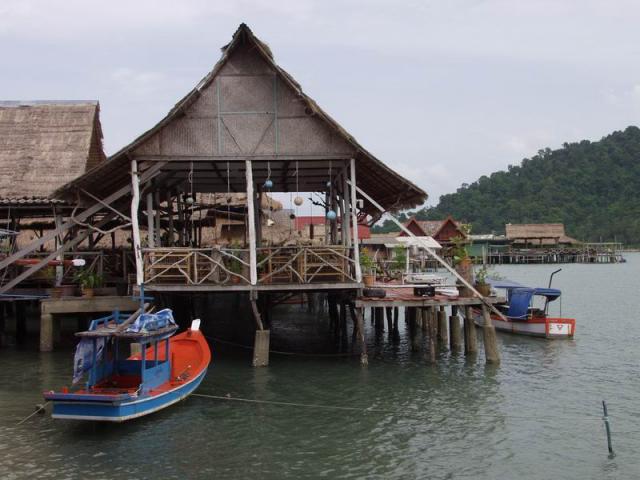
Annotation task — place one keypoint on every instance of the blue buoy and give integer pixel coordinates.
(331, 215)
(268, 183)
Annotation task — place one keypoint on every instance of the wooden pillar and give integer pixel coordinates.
(169, 200)
(379, 319)
(433, 332)
(261, 348)
(156, 229)
(347, 208)
(443, 339)
(414, 333)
(454, 330)
(491, 353)
(151, 237)
(470, 339)
(251, 221)
(396, 314)
(423, 318)
(389, 315)
(135, 226)
(364, 359)
(354, 222)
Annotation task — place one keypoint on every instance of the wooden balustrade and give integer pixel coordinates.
(222, 266)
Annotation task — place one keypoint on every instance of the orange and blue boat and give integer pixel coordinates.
(527, 311)
(132, 368)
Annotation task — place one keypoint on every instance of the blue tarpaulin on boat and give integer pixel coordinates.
(511, 286)
(83, 358)
(150, 322)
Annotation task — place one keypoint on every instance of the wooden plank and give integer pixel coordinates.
(88, 304)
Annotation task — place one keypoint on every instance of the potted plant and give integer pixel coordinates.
(235, 267)
(481, 284)
(368, 266)
(88, 281)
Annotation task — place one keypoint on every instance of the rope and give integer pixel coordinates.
(229, 398)
(279, 352)
(38, 410)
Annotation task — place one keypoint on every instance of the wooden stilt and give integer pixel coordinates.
(454, 330)
(414, 331)
(424, 316)
(491, 353)
(389, 315)
(443, 338)
(21, 323)
(261, 349)
(433, 332)
(364, 359)
(470, 339)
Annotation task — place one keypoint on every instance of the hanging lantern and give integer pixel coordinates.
(268, 184)
(270, 223)
(329, 184)
(189, 200)
(331, 215)
(298, 201)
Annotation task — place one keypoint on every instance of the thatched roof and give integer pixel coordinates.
(44, 145)
(190, 128)
(545, 233)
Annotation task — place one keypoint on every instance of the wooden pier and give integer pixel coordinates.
(429, 315)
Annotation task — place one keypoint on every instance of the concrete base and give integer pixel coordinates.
(46, 332)
(261, 349)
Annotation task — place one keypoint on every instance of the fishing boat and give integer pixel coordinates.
(134, 366)
(527, 311)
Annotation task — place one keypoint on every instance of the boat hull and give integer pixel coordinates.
(537, 327)
(120, 411)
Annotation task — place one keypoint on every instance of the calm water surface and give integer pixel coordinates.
(536, 416)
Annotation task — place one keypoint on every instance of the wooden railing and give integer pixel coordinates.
(224, 266)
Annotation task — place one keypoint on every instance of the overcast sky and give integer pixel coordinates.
(443, 91)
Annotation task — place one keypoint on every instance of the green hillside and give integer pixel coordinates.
(592, 187)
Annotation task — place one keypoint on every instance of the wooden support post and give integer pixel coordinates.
(433, 332)
(354, 222)
(261, 349)
(169, 200)
(491, 353)
(251, 221)
(414, 331)
(343, 319)
(396, 313)
(454, 330)
(389, 315)
(470, 339)
(364, 359)
(156, 230)
(346, 229)
(135, 226)
(443, 338)
(379, 314)
(151, 238)
(423, 315)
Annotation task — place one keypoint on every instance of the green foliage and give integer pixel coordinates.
(367, 262)
(399, 257)
(591, 187)
(88, 279)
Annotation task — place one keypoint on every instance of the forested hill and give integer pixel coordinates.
(592, 187)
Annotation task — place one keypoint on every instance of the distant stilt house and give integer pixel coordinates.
(246, 128)
(442, 231)
(542, 243)
(538, 234)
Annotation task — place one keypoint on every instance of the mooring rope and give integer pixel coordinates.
(280, 352)
(38, 410)
(229, 398)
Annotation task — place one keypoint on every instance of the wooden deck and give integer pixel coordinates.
(402, 296)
